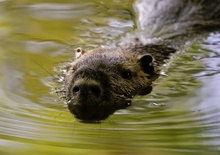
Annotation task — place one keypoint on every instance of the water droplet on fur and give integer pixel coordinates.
(67, 102)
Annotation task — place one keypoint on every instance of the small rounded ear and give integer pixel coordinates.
(79, 52)
(145, 62)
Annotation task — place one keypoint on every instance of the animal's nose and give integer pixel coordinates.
(88, 88)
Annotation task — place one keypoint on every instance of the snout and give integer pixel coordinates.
(91, 101)
(87, 89)
(87, 93)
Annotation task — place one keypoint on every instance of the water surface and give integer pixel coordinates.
(180, 116)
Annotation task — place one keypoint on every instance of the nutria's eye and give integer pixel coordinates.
(78, 50)
(127, 74)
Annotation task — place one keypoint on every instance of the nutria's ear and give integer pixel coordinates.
(145, 62)
(79, 52)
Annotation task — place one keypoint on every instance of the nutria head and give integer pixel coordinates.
(102, 81)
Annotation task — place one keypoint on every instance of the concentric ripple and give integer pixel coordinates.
(181, 115)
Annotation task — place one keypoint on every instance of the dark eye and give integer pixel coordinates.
(127, 74)
(78, 50)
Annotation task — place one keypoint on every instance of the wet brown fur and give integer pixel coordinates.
(103, 80)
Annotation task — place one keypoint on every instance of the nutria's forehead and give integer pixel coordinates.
(102, 60)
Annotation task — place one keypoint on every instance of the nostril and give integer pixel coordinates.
(87, 89)
(96, 90)
(76, 89)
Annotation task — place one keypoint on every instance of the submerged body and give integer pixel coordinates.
(101, 81)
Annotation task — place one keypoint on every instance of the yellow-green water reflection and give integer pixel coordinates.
(181, 115)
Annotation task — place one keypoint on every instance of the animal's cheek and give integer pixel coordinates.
(142, 74)
(148, 77)
(153, 77)
(145, 90)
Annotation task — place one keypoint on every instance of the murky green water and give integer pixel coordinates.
(181, 116)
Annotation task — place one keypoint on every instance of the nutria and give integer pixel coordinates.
(103, 80)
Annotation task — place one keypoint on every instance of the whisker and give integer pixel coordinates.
(43, 68)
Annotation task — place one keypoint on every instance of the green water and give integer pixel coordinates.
(181, 116)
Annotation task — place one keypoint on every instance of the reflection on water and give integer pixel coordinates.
(180, 116)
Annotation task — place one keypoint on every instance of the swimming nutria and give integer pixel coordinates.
(103, 80)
